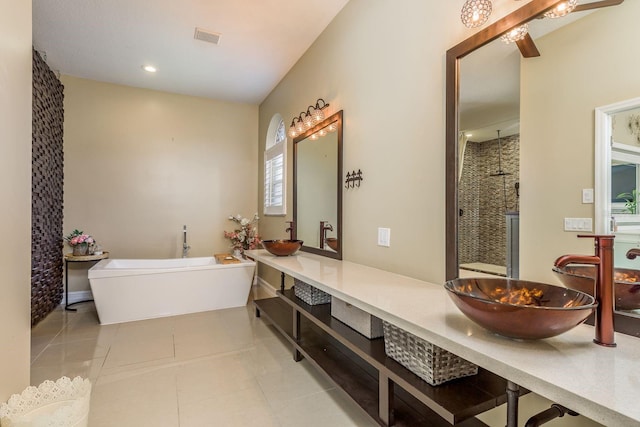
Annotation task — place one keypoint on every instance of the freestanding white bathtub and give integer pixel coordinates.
(135, 289)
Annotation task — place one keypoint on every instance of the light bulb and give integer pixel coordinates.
(314, 137)
(300, 126)
(332, 127)
(318, 115)
(322, 132)
(475, 12)
(516, 34)
(564, 8)
(308, 121)
(293, 132)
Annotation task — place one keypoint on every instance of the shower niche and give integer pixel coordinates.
(488, 200)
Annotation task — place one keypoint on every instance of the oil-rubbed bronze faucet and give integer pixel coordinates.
(633, 253)
(603, 261)
(291, 230)
(324, 226)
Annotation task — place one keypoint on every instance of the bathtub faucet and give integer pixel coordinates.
(185, 247)
(604, 294)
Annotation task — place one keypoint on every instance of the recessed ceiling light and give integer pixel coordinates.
(149, 68)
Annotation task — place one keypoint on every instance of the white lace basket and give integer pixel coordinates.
(63, 403)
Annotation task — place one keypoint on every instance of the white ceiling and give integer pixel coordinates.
(110, 41)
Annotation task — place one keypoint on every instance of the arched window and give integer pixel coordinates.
(275, 157)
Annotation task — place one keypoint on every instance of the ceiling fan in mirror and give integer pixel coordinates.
(476, 12)
(521, 37)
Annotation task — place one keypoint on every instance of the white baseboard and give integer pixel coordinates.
(76, 296)
(265, 286)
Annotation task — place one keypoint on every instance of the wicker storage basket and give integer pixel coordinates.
(426, 360)
(310, 294)
(359, 320)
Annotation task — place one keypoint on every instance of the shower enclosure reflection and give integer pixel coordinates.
(488, 200)
(489, 162)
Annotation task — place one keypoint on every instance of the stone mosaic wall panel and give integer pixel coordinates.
(46, 191)
(482, 226)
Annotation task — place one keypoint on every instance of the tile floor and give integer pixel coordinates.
(218, 368)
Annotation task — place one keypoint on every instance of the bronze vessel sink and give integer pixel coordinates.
(626, 283)
(333, 243)
(520, 309)
(282, 247)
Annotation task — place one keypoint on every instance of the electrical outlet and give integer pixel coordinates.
(384, 237)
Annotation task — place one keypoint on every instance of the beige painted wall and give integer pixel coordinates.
(383, 64)
(140, 164)
(15, 191)
(588, 64)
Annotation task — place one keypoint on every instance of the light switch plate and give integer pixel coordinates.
(587, 195)
(578, 224)
(384, 237)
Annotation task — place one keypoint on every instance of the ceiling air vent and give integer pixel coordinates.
(206, 36)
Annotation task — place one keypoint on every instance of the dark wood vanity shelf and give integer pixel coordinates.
(388, 392)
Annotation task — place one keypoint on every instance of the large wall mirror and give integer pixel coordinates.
(546, 154)
(317, 197)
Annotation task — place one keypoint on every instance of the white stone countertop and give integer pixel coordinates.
(598, 382)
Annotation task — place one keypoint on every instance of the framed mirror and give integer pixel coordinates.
(454, 59)
(317, 188)
(557, 110)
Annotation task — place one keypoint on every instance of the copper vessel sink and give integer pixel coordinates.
(282, 247)
(333, 243)
(626, 287)
(520, 309)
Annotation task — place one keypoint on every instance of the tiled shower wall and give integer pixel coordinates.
(46, 190)
(482, 226)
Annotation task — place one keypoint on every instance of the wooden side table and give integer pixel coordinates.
(82, 258)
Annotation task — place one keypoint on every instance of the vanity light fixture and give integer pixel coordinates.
(515, 34)
(308, 119)
(149, 68)
(475, 12)
(564, 8)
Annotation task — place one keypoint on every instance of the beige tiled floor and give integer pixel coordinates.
(219, 368)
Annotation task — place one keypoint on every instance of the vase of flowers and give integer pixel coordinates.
(80, 242)
(245, 236)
